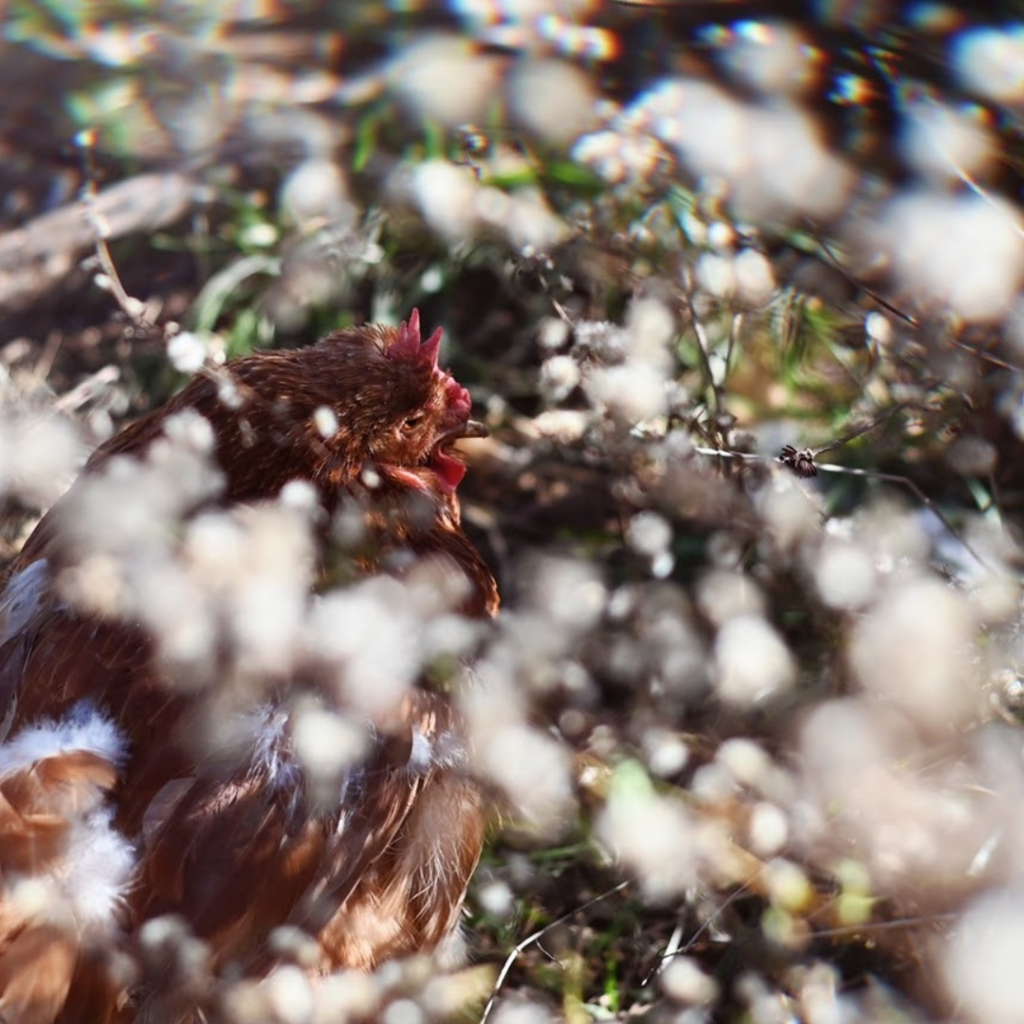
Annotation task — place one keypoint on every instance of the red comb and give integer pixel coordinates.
(409, 344)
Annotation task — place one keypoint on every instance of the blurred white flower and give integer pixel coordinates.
(631, 394)
(754, 276)
(844, 574)
(521, 1011)
(649, 534)
(767, 830)
(964, 253)
(187, 352)
(317, 190)
(653, 835)
(990, 61)
(752, 662)
(570, 593)
(326, 743)
(445, 79)
(532, 89)
(772, 158)
(368, 634)
(724, 595)
(716, 275)
(39, 454)
(447, 198)
(771, 56)
(913, 650)
(980, 964)
(684, 981)
(290, 995)
(945, 143)
(558, 376)
(917, 829)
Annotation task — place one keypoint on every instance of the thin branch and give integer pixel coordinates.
(981, 192)
(897, 478)
(882, 926)
(724, 453)
(877, 421)
(884, 303)
(133, 308)
(906, 317)
(985, 356)
(86, 390)
(535, 937)
(560, 310)
(735, 326)
(802, 462)
(704, 348)
(673, 948)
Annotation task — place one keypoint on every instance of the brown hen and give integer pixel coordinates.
(113, 815)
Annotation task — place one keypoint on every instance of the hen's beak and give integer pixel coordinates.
(470, 428)
(474, 428)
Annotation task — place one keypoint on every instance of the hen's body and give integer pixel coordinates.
(112, 814)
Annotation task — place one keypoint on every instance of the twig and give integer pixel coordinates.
(802, 461)
(673, 948)
(906, 317)
(884, 303)
(980, 353)
(88, 389)
(803, 465)
(725, 453)
(882, 926)
(876, 422)
(735, 326)
(560, 310)
(535, 937)
(133, 308)
(897, 478)
(981, 192)
(704, 348)
(34, 257)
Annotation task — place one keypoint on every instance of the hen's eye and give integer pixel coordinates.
(413, 421)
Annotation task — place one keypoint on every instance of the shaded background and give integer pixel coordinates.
(786, 708)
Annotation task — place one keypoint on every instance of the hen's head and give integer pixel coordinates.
(393, 406)
(371, 397)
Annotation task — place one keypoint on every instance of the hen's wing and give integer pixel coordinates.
(395, 879)
(231, 851)
(231, 845)
(239, 850)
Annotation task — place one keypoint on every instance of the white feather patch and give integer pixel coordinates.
(271, 752)
(92, 878)
(421, 757)
(449, 750)
(97, 871)
(446, 750)
(85, 889)
(85, 727)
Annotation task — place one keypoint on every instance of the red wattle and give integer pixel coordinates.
(449, 469)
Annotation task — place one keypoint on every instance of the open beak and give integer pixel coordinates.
(474, 428)
(447, 465)
(469, 428)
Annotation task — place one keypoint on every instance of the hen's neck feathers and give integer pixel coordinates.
(263, 411)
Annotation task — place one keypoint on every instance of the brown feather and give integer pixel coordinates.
(36, 968)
